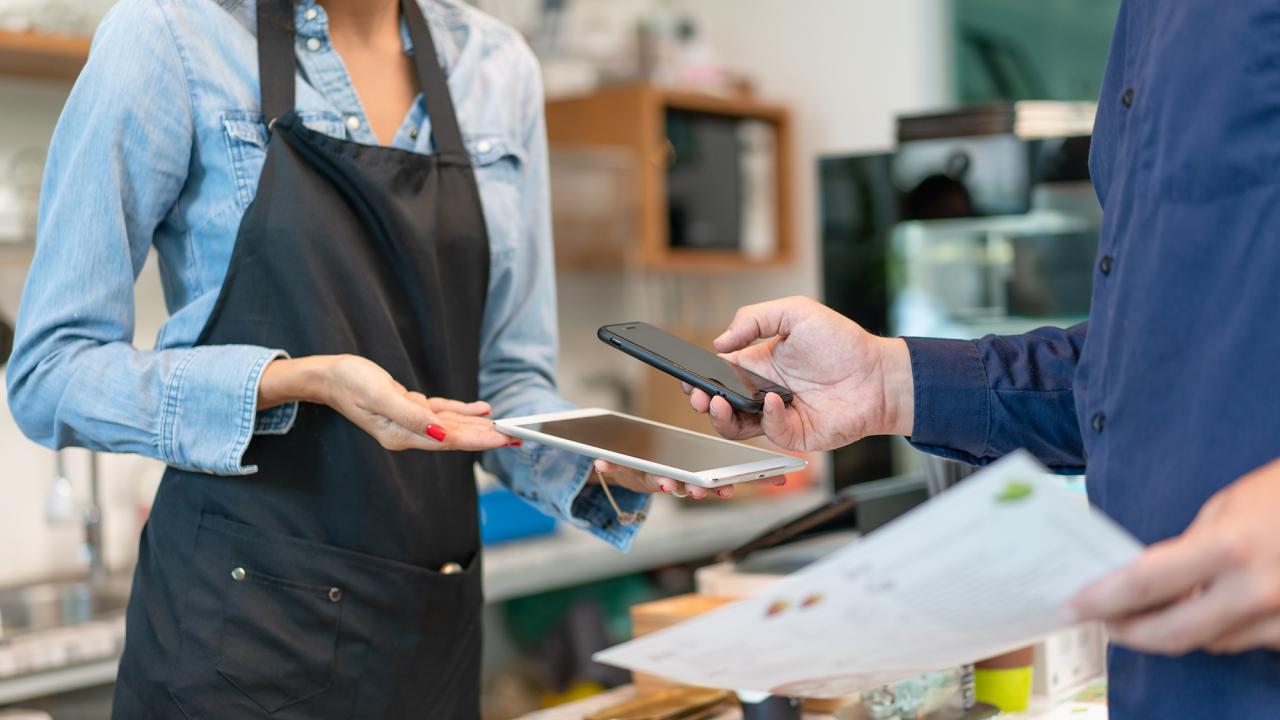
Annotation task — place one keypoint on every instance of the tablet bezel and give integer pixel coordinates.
(780, 464)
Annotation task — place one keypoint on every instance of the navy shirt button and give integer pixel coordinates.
(1105, 264)
(1127, 98)
(1098, 421)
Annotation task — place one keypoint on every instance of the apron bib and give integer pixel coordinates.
(341, 580)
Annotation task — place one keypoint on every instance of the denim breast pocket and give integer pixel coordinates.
(500, 167)
(246, 135)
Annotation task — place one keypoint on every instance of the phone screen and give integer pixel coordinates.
(695, 359)
(641, 440)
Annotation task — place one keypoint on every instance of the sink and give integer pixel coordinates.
(54, 604)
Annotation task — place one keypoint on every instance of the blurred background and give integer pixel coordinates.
(920, 165)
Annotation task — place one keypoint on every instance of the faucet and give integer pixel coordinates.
(92, 521)
(60, 507)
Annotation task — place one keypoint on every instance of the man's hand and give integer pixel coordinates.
(848, 384)
(1216, 587)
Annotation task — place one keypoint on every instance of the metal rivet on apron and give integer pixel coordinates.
(334, 594)
(237, 574)
(452, 568)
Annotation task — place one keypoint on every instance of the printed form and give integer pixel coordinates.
(984, 568)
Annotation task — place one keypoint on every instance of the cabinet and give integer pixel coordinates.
(642, 122)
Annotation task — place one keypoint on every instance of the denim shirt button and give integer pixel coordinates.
(311, 14)
(313, 44)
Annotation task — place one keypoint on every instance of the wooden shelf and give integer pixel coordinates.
(632, 119)
(44, 57)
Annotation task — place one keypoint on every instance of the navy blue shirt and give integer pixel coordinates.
(1171, 391)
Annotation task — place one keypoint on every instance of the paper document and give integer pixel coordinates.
(985, 567)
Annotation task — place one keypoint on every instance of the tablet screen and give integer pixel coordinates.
(650, 442)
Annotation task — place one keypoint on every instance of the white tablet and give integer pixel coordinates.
(645, 445)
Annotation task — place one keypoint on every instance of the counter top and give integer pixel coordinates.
(677, 531)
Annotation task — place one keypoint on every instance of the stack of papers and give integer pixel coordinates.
(984, 568)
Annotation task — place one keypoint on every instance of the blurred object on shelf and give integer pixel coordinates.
(53, 17)
(580, 690)
(666, 704)
(711, 189)
(504, 516)
(1005, 680)
(593, 206)
(673, 53)
(1068, 659)
(6, 339)
(511, 691)
(20, 196)
(759, 572)
(583, 45)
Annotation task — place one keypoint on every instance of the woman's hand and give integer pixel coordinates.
(643, 482)
(367, 395)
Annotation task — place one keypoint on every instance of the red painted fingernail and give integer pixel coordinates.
(663, 487)
(722, 492)
(435, 432)
(486, 413)
(515, 443)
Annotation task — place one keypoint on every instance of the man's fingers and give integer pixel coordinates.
(1196, 622)
(754, 322)
(1166, 572)
(1262, 634)
(776, 423)
(700, 401)
(732, 425)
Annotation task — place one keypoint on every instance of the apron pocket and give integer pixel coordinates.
(278, 637)
(264, 628)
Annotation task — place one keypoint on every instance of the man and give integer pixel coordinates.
(1169, 397)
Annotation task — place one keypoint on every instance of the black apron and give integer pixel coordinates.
(341, 580)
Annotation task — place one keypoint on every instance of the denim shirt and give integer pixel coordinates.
(161, 144)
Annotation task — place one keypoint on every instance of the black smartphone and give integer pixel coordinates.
(743, 389)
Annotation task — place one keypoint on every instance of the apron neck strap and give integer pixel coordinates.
(277, 63)
(277, 70)
(435, 87)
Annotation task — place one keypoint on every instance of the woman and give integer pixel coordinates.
(343, 281)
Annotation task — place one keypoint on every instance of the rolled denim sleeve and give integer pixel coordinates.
(518, 355)
(976, 401)
(115, 168)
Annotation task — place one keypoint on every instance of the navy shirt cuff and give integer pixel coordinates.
(952, 398)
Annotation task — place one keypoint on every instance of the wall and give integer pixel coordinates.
(845, 66)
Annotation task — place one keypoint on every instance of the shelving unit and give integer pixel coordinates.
(44, 57)
(632, 119)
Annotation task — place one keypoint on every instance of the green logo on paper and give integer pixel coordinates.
(1014, 491)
